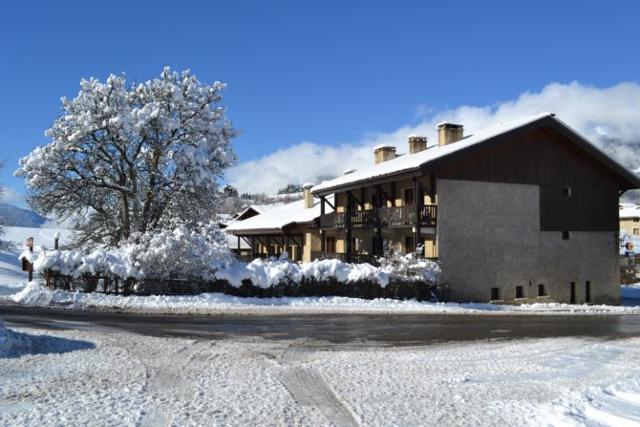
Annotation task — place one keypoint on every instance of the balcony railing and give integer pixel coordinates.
(353, 258)
(402, 216)
(363, 219)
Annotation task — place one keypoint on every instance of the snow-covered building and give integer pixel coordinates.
(521, 211)
(292, 227)
(630, 218)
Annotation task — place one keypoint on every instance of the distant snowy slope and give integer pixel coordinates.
(19, 217)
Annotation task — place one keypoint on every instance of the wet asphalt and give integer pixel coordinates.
(383, 329)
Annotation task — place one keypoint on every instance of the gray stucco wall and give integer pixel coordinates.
(489, 236)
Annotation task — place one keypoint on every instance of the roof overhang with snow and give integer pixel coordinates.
(413, 164)
(277, 220)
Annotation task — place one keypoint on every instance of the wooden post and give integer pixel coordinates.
(253, 247)
(286, 246)
(393, 194)
(30, 244)
(378, 249)
(56, 239)
(347, 229)
(418, 204)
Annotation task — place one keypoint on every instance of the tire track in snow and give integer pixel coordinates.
(308, 387)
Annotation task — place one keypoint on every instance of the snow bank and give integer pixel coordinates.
(11, 342)
(215, 303)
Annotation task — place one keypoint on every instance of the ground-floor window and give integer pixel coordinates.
(495, 294)
(330, 244)
(572, 295)
(542, 292)
(587, 291)
(519, 291)
(409, 244)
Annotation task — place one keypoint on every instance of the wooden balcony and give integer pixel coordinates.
(395, 217)
(353, 258)
(363, 219)
(333, 220)
(405, 216)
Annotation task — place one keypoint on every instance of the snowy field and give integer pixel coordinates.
(114, 378)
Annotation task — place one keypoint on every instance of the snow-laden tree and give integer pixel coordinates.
(133, 158)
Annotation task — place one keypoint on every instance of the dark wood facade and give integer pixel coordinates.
(577, 192)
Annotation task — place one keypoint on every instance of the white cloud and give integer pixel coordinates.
(11, 196)
(610, 117)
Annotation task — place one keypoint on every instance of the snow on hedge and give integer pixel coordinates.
(189, 255)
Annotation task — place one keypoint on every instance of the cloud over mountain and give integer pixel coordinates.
(608, 116)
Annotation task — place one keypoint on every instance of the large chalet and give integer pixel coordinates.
(519, 212)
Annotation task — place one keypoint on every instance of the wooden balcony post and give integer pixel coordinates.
(393, 194)
(253, 246)
(378, 247)
(347, 228)
(417, 207)
(268, 246)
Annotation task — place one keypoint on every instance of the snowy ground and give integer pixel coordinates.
(215, 303)
(109, 377)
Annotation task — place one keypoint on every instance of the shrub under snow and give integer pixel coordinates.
(181, 254)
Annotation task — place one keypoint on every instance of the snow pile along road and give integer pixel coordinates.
(11, 342)
(212, 303)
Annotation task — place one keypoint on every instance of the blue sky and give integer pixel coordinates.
(326, 72)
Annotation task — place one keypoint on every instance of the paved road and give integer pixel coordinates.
(409, 329)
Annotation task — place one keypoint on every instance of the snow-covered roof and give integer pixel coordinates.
(629, 210)
(260, 209)
(412, 162)
(277, 218)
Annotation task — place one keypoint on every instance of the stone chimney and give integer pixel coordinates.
(417, 143)
(308, 197)
(384, 152)
(449, 133)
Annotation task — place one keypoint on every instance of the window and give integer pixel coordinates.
(409, 244)
(409, 199)
(566, 235)
(636, 219)
(330, 244)
(519, 292)
(636, 231)
(587, 291)
(541, 290)
(495, 294)
(572, 294)
(566, 191)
